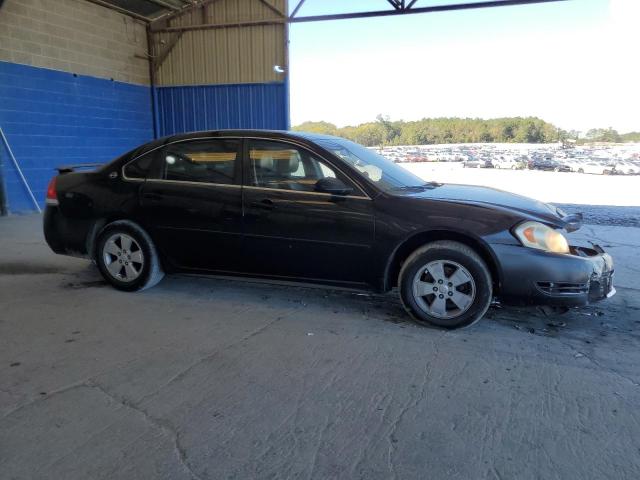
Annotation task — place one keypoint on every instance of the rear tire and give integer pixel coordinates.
(127, 257)
(460, 299)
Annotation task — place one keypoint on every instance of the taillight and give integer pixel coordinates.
(52, 196)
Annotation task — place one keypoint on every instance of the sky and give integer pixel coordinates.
(572, 63)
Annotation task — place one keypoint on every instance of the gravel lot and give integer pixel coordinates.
(209, 379)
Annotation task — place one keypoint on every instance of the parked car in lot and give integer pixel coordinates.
(313, 208)
(509, 163)
(626, 167)
(548, 164)
(595, 168)
(477, 162)
(573, 164)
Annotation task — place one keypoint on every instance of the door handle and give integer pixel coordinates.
(264, 204)
(153, 196)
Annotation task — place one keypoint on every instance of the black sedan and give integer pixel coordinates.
(548, 164)
(312, 208)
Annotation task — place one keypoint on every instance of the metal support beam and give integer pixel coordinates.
(214, 26)
(158, 60)
(295, 10)
(19, 170)
(273, 8)
(120, 10)
(163, 4)
(164, 19)
(407, 11)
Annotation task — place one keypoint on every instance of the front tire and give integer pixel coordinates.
(445, 284)
(127, 257)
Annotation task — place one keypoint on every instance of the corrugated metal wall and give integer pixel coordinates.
(231, 55)
(223, 77)
(210, 107)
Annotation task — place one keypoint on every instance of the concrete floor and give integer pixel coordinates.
(209, 379)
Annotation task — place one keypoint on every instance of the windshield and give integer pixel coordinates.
(382, 172)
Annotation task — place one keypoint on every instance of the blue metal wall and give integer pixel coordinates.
(54, 118)
(211, 107)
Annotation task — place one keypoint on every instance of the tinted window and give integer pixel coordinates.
(140, 167)
(284, 166)
(209, 161)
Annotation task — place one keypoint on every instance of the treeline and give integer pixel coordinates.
(609, 135)
(440, 130)
(457, 130)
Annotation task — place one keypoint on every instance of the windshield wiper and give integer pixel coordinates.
(418, 188)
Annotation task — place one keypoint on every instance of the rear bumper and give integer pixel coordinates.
(66, 236)
(535, 277)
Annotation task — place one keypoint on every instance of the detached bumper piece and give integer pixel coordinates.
(601, 287)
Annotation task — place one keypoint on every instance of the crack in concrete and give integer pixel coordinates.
(600, 365)
(164, 426)
(208, 357)
(41, 398)
(169, 430)
(410, 406)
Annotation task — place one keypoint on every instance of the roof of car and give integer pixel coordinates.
(249, 133)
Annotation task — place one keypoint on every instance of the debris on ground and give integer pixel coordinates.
(555, 324)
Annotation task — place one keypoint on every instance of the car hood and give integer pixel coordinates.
(492, 196)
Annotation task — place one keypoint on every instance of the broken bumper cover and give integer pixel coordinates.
(535, 277)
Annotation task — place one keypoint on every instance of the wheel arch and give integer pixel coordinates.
(99, 225)
(418, 239)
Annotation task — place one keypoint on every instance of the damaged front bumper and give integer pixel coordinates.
(536, 277)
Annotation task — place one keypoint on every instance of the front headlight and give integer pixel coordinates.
(538, 235)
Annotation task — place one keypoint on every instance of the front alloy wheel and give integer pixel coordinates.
(444, 289)
(445, 283)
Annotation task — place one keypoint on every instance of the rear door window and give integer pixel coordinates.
(201, 161)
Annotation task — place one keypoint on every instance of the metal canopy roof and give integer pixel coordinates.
(146, 10)
(152, 10)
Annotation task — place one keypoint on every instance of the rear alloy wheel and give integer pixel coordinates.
(445, 284)
(123, 257)
(127, 258)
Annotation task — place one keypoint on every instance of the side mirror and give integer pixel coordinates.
(333, 186)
